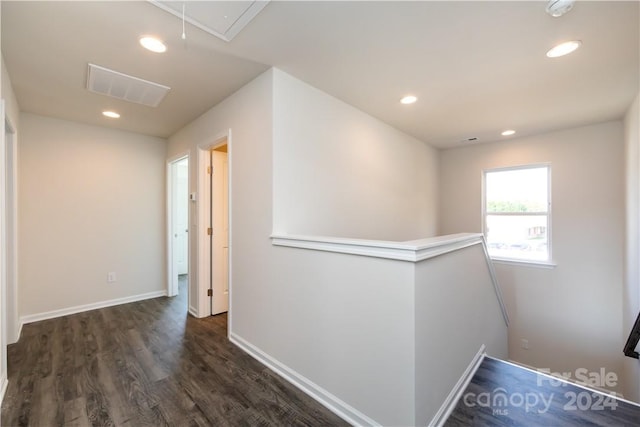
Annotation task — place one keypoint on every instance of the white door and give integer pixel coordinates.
(220, 232)
(181, 215)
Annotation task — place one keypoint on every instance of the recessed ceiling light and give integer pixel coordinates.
(111, 114)
(409, 99)
(564, 48)
(153, 44)
(508, 132)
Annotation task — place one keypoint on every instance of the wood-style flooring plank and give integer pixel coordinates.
(146, 364)
(503, 394)
(75, 414)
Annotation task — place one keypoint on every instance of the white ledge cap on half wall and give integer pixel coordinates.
(411, 250)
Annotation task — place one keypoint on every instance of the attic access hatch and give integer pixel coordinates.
(223, 19)
(122, 86)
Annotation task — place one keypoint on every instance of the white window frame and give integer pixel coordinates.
(518, 261)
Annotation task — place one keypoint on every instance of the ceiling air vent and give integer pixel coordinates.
(121, 86)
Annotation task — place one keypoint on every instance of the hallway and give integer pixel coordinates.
(146, 364)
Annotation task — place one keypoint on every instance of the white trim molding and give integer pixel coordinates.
(19, 333)
(87, 307)
(412, 251)
(172, 284)
(4, 383)
(452, 399)
(524, 263)
(193, 311)
(328, 400)
(565, 380)
(203, 253)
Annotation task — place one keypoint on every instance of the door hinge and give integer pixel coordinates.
(209, 231)
(209, 292)
(209, 170)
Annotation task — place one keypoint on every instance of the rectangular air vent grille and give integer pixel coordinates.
(128, 88)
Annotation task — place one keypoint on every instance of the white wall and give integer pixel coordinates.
(571, 314)
(91, 202)
(248, 114)
(631, 294)
(341, 172)
(295, 306)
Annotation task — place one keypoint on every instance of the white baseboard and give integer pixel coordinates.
(4, 382)
(86, 307)
(20, 325)
(193, 311)
(571, 381)
(456, 392)
(331, 402)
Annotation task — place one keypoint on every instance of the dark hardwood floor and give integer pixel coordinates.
(502, 394)
(146, 364)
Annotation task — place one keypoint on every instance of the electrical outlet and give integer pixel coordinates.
(524, 344)
(111, 277)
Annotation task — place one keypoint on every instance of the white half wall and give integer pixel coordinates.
(631, 294)
(571, 314)
(457, 312)
(91, 202)
(340, 172)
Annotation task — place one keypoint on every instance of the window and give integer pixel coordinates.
(517, 213)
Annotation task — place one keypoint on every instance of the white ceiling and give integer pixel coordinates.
(477, 67)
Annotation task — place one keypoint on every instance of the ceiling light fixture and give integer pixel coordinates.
(564, 48)
(508, 132)
(153, 44)
(111, 114)
(557, 8)
(409, 99)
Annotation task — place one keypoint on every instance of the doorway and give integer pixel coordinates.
(219, 223)
(178, 214)
(214, 233)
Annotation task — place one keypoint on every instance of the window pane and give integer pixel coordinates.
(518, 236)
(517, 190)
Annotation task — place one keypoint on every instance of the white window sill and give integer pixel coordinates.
(525, 263)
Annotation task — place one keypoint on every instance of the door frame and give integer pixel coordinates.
(203, 247)
(172, 280)
(9, 323)
(11, 230)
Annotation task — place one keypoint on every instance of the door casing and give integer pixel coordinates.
(201, 301)
(172, 276)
